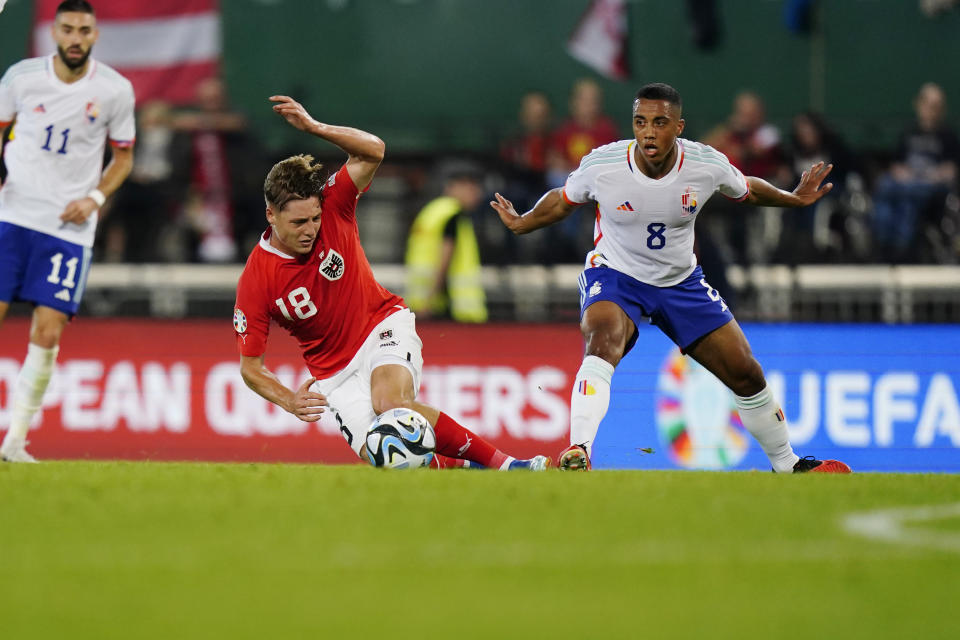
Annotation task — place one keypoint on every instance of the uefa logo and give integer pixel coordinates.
(697, 420)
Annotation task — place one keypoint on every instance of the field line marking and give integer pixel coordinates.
(894, 525)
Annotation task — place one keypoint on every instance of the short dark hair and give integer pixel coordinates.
(75, 6)
(296, 178)
(660, 91)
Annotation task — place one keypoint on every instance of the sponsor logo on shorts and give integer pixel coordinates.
(594, 289)
(63, 294)
(239, 321)
(688, 202)
(332, 266)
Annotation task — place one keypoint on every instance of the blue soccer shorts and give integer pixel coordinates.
(685, 311)
(42, 269)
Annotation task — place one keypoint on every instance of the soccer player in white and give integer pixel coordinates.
(648, 192)
(63, 108)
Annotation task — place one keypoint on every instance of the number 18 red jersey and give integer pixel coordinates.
(328, 300)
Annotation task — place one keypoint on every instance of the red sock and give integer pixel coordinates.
(456, 441)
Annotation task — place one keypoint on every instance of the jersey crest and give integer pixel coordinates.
(332, 266)
(92, 111)
(688, 202)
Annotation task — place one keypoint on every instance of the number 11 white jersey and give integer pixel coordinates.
(55, 154)
(644, 226)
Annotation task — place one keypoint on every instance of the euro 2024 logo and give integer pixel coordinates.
(697, 419)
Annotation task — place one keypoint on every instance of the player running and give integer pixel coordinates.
(648, 192)
(66, 107)
(310, 275)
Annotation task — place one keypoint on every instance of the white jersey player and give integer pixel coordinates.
(64, 108)
(648, 192)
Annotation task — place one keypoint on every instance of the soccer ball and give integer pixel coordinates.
(400, 439)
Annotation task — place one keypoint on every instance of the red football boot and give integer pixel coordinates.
(574, 458)
(809, 464)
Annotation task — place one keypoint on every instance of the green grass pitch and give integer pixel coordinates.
(149, 550)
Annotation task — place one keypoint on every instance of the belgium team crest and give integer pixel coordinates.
(688, 202)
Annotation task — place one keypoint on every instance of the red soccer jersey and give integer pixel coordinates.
(328, 300)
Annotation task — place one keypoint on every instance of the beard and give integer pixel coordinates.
(72, 64)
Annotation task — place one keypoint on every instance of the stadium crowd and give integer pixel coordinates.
(194, 193)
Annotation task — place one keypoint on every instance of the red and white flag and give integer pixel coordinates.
(600, 38)
(164, 47)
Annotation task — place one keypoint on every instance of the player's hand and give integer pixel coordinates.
(504, 208)
(77, 211)
(809, 189)
(294, 113)
(307, 405)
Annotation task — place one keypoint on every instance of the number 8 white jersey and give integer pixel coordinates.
(644, 226)
(55, 154)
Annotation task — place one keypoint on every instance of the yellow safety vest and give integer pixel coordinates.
(464, 287)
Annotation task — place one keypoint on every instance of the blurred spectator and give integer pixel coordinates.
(586, 129)
(524, 161)
(753, 146)
(524, 153)
(141, 209)
(923, 172)
(443, 258)
(821, 232)
(220, 154)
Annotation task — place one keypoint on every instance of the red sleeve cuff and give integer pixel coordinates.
(122, 144)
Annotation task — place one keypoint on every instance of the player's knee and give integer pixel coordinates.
(46, 336)
(605, 341)
(748, 380)
(382, 404)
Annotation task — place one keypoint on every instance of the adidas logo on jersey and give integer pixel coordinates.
(39, 108)
(626, 206)
(63, 294)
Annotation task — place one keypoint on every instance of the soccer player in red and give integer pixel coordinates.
(310, 275)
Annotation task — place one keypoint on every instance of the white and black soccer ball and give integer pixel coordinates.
(400, 439)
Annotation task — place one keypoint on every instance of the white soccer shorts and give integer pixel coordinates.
(393, 341)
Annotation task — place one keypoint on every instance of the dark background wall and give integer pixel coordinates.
(430, 74)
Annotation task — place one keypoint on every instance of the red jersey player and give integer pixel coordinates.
(309, 274)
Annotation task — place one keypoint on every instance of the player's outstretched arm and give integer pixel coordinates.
(121, 163)
(365, 150)
(303, 403)
(807, 192)
(552, 207)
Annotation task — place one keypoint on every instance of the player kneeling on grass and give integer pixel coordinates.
(310, 275)
(648, 192)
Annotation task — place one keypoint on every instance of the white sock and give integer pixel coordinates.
(764, 418)
(506, 463)
(28, 393)
(589, 400)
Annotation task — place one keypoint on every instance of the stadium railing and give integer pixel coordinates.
(532, 293)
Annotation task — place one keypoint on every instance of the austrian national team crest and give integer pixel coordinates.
(331, 267)
(688, 202)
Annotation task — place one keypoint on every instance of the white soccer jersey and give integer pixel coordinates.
(644, 226)
(56, 151)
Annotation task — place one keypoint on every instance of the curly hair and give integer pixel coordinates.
(296, 178)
